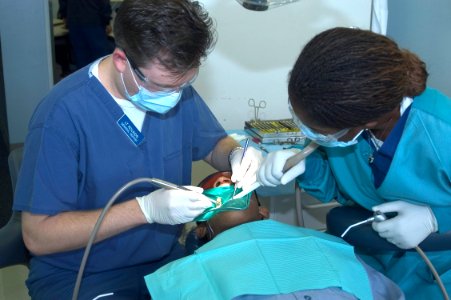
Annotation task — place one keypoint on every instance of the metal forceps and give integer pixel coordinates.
(253, 104)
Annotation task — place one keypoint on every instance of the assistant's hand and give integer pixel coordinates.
(410, 227)
(165, 206)
(244, 173)
(270, 173)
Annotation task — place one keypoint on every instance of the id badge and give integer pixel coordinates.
(130, 130)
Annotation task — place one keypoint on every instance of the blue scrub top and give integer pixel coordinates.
(77, 156)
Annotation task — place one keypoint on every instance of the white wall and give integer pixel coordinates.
(424, 27)
(254, 53)
(256, 50)
(27, 60)
(252, 58)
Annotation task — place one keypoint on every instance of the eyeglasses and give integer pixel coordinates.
(312, 134)
(160, 88)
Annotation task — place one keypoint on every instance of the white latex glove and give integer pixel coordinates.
(244, 173)
(410, 227)
(167, 206)
(270, 173)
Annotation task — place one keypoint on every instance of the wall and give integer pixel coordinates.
(27, 60)
(54, 8)
(424, 28)
(252, 58)
(3, 116)
(256, 50)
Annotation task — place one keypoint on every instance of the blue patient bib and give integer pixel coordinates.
(262, 258)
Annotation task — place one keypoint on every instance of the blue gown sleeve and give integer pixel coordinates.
(442, 215)
(318, 180)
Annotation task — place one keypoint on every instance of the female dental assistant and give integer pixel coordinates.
(385, 145)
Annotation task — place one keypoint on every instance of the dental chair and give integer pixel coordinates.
(364, 237)
(12, 247)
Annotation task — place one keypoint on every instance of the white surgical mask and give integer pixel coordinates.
(160, 101)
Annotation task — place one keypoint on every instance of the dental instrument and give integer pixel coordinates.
(246, 144)
(256, 106)
(377, 217)
(297, 158)
(169, 185)
(291, 162)
(155, 181)
(166, 184)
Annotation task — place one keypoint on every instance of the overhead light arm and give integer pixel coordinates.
(262, 5)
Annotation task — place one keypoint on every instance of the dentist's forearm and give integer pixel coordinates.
(71, 230)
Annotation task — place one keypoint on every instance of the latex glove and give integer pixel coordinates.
(270, 173)
(410, 227)
(244, 173)
(167, 206)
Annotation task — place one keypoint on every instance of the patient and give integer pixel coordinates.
(205, 231)
(248, 256)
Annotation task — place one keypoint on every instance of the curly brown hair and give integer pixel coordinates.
(346, 77)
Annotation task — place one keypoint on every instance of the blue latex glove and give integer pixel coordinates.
(410, 227)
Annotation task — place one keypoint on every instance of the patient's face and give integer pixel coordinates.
(228, 219)
(216, 179)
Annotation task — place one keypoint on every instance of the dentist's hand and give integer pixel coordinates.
(165, 206)
(270, 173)
(244, 173)
(410, 227)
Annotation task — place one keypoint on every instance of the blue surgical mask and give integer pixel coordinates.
(329, 140)
(160, 102)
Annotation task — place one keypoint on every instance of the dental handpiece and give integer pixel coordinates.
(297, 158)
(291, 162)
(377, 217)
(172, 186)
(167, 185)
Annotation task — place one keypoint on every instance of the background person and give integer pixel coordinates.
(88, 22)
(247, 256)
(365, 101)
(132, 114)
